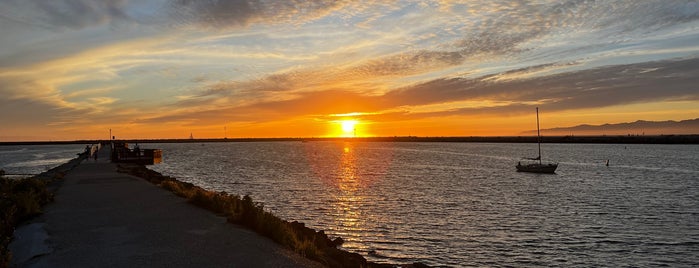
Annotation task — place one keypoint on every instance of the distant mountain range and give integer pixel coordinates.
(639, 127)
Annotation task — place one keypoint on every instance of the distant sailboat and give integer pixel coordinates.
(537, 167)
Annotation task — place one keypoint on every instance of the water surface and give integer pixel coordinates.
(34, 159)
(463, 204)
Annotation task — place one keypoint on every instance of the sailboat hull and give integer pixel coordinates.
(538, 168)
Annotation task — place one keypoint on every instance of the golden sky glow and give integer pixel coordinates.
(164, 69)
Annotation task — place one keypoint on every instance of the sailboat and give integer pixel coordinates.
(538, 166)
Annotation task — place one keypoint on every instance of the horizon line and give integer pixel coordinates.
(685, 138)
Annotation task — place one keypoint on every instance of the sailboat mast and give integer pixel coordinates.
(538, 133)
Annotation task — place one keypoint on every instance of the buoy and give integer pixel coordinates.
(607, 164)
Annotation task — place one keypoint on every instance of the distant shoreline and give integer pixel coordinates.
(604, 139)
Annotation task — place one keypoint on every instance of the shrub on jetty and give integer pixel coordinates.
(20, 199)
(244, 211)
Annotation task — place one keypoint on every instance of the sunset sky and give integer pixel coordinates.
(73, 69)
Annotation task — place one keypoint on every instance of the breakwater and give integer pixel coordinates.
(22, 199)
(104, 218)
(312, 244)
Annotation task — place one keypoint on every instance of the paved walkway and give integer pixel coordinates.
(102, 218)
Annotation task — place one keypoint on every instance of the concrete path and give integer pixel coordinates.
(102, 218)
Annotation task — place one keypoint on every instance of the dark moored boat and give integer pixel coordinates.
(537, 166)
(549, 168)
(122, 154)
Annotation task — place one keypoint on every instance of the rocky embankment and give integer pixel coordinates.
(315, 245)
(24, 198)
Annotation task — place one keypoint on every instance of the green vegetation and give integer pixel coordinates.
(20, 199)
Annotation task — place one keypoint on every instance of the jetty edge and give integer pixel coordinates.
(103, 218)
(21, 199)
(94, 239)
(312, 244)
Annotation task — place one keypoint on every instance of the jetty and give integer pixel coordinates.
(103, 218)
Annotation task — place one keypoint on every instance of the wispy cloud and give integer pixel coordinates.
(635, 83)
(594, 88)
(72, 14)
(206, 62)
(89, 92)
(241, 13)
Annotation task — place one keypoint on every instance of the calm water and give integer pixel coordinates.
(463, 204)
(34, 159)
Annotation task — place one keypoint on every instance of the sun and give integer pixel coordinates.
(348, 126)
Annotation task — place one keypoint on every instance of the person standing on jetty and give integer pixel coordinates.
(95, 153)
(88, 150)
(137, 150)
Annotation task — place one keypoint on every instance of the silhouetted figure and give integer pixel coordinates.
(137, 150)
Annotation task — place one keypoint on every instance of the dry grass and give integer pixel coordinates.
(20, 199)
(244, 211)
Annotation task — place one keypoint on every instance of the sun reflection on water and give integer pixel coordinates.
(348, 201)
(352, 175)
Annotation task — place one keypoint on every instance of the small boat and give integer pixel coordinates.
(549, 168)
(122, 154)
(538, 166)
